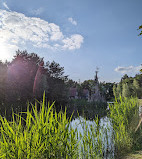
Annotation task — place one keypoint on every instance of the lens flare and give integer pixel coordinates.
(4, 55)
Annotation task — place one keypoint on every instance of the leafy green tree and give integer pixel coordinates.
(107, 90)
(56, 80)
(70, 83)
(21, 76)
(125, 77)
(136, 84)
(28, 77)
(88, 84)
(125, 90)
(55, 70)
(136, 87)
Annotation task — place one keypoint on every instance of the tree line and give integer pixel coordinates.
(26, 78)
(129, 86)
(106, 88)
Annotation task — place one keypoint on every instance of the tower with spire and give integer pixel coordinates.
(96, 76)
(96, 94)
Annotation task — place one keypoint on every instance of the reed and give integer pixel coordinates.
(124, 117)
(46, 134)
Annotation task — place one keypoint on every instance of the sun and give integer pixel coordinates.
(4, 52)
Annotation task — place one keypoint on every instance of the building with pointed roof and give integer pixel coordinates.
(95, 93)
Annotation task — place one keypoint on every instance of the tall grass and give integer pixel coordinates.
(46, 135)
(124, 116)
(90, 138)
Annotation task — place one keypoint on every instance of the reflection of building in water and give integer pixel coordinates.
(95, 93)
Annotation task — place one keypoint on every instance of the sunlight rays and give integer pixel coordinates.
(3, 52)
(7, 51)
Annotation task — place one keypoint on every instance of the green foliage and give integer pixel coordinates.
(26, 77)
(106, 89)
(88, 109)
(114, 90)
(119, 89)
(46, 134)
(71, 84)
(125, 90)
(129, 86)
(88, 84)
(124, 116)
(136, 88)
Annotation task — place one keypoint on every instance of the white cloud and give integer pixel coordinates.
(5, 5)
(37, 11)
(72, 21)
(74, 42)
(16, 30)
(129, 69)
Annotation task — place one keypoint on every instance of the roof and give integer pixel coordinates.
(73, 92)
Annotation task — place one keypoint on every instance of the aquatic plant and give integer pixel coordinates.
(46, 134)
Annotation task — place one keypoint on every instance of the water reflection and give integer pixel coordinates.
(106, 133)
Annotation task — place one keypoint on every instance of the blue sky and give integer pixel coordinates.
(78, 34)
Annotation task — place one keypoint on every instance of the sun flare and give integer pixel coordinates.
(4, 55)
(7, 51)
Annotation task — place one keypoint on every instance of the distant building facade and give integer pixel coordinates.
(94, 95)
(73, 94)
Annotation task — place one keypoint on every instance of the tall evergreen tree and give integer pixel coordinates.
(136, 88)
(125, 90)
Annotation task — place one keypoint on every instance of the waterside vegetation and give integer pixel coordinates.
(48, 134)
(124, 115)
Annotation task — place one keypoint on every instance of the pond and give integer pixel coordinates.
(105, 130)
